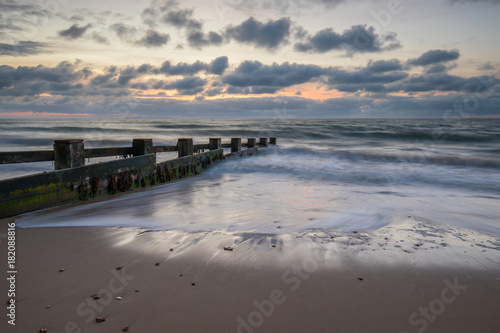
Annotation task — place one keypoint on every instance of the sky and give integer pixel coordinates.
(250, 58)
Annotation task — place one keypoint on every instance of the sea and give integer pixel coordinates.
(347, 175)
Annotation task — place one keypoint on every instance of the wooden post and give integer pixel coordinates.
(263, 142)
(251, 142)
(185, 147)
(142, 147)
(68, 154)
(215, 143)
(235, 144)
(272, 140)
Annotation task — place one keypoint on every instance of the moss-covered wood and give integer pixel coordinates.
(29, 193)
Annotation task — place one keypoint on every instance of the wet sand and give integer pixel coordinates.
(405, 279)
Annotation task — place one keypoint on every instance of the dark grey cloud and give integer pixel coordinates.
(486, 67)
(124, 31)
(74, 32)
(168, 12)
(126, 75)
(111, 73)
(115, 77)
(140, 86)
(357, 39)
(190, 85)
(100, 38)
(268, 35)
(158, 84)
(25, 80)
(23, 48)
(199, 39)
(77, 18)
(436, 68)
(153, 39)
(145, 69)
(372, 78)
(444, 82)
(150, 38)
(260, 78)
(434, 57)
(182, 18)
(382, 66)
(213, 92)
(390, 76)
(182, 68)
(218, 65)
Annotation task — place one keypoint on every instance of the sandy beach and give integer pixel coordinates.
(172, 281)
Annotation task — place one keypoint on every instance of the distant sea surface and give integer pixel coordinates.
(328, 174)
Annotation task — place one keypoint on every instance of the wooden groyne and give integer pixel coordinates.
(73, 181)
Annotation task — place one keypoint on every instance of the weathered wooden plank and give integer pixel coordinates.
(201, 146)
(109, 151)
(185, 147)
(68, 153)
(245, 152)
(43, 190)
(164, 149)
(235, 144)
(10, 157)
(48, 189)
(187, 165)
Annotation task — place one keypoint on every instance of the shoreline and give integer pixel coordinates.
(267, 283)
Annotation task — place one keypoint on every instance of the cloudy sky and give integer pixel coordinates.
(250, 58)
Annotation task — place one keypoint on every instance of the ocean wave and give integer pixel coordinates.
(372, 169)
(411, 156)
